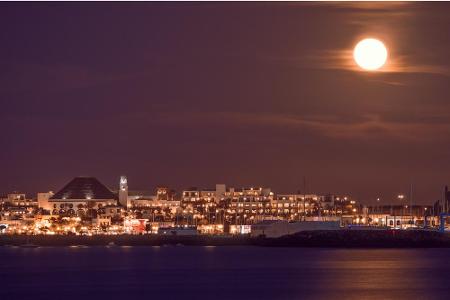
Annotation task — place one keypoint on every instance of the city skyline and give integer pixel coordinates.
(195, 94)
(402, 197)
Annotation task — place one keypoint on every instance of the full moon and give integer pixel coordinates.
(370, 54)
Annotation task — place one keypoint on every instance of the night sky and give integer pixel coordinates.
(245, 94)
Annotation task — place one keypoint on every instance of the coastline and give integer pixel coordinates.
(327, 239)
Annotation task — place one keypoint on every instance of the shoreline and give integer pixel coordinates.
(322, 239)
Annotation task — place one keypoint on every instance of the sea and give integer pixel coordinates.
(227, 272)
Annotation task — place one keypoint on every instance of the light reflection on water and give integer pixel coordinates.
(224, 273)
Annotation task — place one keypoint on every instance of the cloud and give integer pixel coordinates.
(342, 59)
(368, 128)
(364, 128)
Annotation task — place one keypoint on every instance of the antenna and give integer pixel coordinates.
(410, 204)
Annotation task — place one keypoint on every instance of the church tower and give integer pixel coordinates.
(123, 191)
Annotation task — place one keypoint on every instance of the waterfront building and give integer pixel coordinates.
(18, 199)
(153, 202)
(139, 197)
(43, 200)
(142, 201)
(399, 216)
(16, 213)
(210, 195)
(345, 206)
(16, 206)
(296, 206)
(247, 205)
(159, 207)
(202, 204)
(156, 210)
(165, 193)
(154, 226)
(85, 201)
(82, 196)
(240, 229)
(210, 229)
(134, 226)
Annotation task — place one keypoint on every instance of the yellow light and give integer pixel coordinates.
(370, 54)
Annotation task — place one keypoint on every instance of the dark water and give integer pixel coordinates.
(223, 273)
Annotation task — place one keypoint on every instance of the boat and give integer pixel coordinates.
(78, 246)
(111, 244)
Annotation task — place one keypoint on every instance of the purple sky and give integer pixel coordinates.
(237, 93)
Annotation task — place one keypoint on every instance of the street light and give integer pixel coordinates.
(401, 197)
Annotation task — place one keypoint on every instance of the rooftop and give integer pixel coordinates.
(84, 188)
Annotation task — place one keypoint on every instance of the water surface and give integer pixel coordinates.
(223, 273)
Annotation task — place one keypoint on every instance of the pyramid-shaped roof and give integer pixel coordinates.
(84, 188)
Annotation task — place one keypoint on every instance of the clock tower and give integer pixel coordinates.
(123, 191)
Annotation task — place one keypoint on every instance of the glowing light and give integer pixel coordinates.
(370, 54)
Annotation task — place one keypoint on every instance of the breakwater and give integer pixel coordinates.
(331, 238)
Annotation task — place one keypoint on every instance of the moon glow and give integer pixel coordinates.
(370, 54)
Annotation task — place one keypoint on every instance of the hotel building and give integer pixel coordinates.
(80, 196)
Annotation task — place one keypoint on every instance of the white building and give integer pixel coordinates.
(193, 195)
(43, 200)
(249, 201)
(81, 195)
(19, 199)
(164, 199)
